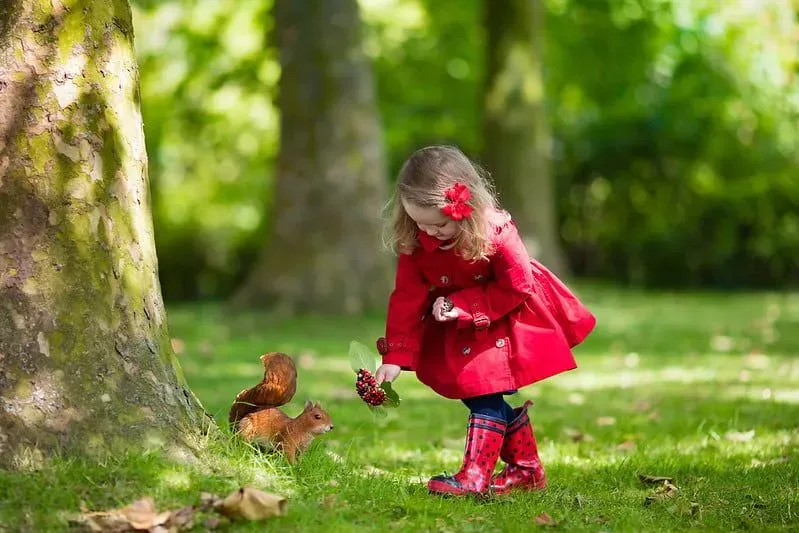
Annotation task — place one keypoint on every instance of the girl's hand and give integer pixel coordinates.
(440, 311)
(387, 373)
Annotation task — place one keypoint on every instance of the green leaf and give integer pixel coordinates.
(361, 357)
(392, 398)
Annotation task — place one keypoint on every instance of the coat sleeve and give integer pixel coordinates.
(406, 307)
(511, 285)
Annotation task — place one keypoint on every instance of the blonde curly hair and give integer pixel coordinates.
(422, 181)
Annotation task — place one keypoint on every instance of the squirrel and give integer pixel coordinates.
(256, 418)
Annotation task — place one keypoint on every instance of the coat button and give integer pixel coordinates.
(500, 343)
(444, 280)
(466, 350)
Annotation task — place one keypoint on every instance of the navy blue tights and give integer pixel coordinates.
(493, 405)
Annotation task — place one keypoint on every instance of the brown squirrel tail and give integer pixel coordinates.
(276, 388)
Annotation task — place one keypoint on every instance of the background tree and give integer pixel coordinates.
(85, 357)
(516, 132)
(322, 253)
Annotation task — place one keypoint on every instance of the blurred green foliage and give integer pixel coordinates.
(674, 123)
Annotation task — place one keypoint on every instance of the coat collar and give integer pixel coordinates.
(428, 243)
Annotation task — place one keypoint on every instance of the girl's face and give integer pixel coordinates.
(432, 221)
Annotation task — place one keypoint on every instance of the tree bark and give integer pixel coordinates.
(323, 251)
(516, 131)
(86, 364)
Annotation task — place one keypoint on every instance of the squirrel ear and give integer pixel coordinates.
(308, 404)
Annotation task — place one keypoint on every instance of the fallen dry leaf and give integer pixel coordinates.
(576, 435)
(606, 421)
(666, 490)
(642, 406)
(138, 515)
(654, 480)
(738, 436)
(545, 520)
(253, 504)
(626, 446)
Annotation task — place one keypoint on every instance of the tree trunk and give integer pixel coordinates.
(323, 251)
(85, 360)
(516, 131)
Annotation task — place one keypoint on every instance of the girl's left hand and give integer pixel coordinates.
(440, 313)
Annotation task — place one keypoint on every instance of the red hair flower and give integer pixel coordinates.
(456, 207)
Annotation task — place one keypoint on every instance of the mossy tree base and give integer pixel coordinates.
(85, 359)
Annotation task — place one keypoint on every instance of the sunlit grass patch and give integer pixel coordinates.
(684, 386)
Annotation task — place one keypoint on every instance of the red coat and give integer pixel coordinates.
(517, 326)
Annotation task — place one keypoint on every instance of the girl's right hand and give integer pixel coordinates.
(387, 373)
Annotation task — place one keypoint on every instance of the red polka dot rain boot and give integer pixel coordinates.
(483, 443)
(520, 452)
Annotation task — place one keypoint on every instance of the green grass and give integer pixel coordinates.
(678, 375)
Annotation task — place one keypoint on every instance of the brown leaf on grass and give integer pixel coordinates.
(606, 421)
(654, 480)
(138, 515)
(576, 435)
(545, 520)
(253, 504)
(626, 446)
(642, 406)
(739, 436)
(666, 490)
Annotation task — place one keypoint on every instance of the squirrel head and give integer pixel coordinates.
(317, 418)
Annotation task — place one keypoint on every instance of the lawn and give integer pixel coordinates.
(701, 388)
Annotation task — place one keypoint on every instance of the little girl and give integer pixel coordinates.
(474, 316)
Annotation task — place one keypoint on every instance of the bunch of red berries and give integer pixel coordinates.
(367, 388)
